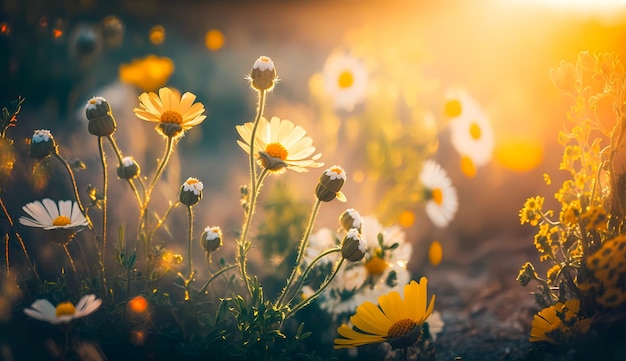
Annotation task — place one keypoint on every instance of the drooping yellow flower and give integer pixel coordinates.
(148, 74)
(172, 113)
(559, 324)
(394, 320)
(280, 145)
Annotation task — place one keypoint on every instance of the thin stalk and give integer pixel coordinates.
(118, 153)
(306, 272)
(303, 244)
(20, 240)
(212, 278)
(69, 256)
(242, 242)
(74, 186)
(308, 300)
(169, 148)
(105, 175)
(82, 254)
(189, 240)
(162, 220)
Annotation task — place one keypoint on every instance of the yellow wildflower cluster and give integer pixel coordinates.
(586, 244)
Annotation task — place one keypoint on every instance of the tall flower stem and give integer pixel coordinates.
(304, 242)
(69, 256)
(204, 287)
(144, 218)
(308, 269)
(243, 244)
(189, 241)
(19, 239)
(74, 186)
(105, 175)
(118, 153)
(162, 220)
(308, 300)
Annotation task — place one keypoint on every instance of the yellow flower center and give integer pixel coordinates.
(345, 80)
(92, 101)
(452, 108)
(401, 328)
(65, 308)
(191, 181)
(276, 150)
(475, 131)
(61, 221)
(170, 116)
(336, 170)
(437, 196)
(376, 266)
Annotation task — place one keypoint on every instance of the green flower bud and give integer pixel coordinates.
(128, 169)
(100, 116)
(42, 144)
(263, 74)
(191, 191)
(354, 247)
(211, 239)
(350, 218)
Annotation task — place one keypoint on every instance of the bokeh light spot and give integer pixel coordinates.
(139, 304)
(214, 40)
(358, 176)
(5, 29)
(435, 253)
(157, 35)
(406, 219)
(520, 155)
(475, 131)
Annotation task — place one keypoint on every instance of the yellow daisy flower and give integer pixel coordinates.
(559, 324)
(279, 144)
(148, 74)
(172, 113)
(395, 320)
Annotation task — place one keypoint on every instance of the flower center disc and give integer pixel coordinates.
(61, 221)
(276, 150)
(401, 328)
(452, 108)
(475, 131)
(376, 266)
(346, 79)
(170, 116)
(437, 196)
(65, 308)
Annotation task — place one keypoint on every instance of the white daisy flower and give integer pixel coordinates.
(441, 198)
(340, 296)
(63, 220)
(393, 234)
(280, 145)
(470, 130)
(41, 135)
(64, 312)
(345, 79)
(193, 185)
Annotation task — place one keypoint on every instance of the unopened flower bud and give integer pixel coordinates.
(354, 247)
(191, 191)
(211, 239)
(42, 144)
(100, 116)
(526, 274)
(330, 183)
(128, 169)
(350, 218)
(263, 74)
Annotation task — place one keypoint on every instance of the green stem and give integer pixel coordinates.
(212, 278)
(74, 186)
(243, 244)
(189, 240)
(69, 256)
(169, 148)
(308, 269)
(303, 244)
(20, 240)
(105, 175)
(308, 300)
